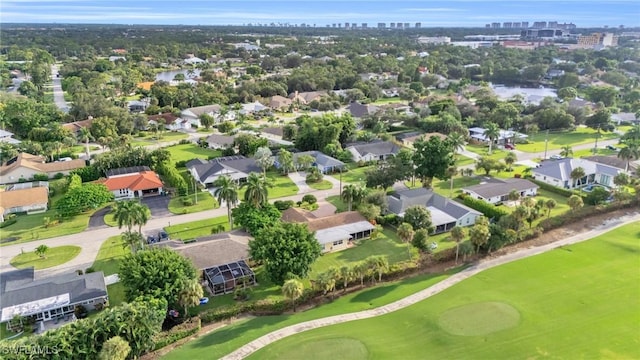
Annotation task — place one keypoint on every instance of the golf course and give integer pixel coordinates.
(577, 301)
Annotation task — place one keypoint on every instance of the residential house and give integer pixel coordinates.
(28, 200)
(358, 110)
(217, 141)
(280, 103)
(325, 163)
(273, 132)
(247, 46)
(74, 127)
(193, 61)
(580, 103)
(252, 108)
(504, 137)
(170, 122)
(192, 115)
(134, 182)
(558, 173)
(49, 298)
(628, 117)
(334, 232)
(139, 105)
(24, 166)
(445, 213)
(237, 167)
(115, 58)
(303, 98)
(7, 137)
(407, 139)
(372, 151)
(615, 162)
(392, 92)
(496, 191)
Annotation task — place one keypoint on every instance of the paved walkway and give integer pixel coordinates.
(300, 179)
(265, 340)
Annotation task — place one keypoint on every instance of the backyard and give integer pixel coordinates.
(507, 303)
(581, 135)
(186, 152)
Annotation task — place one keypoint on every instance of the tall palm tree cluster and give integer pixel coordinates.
(130, 213)
(631, 151)
(256, 192)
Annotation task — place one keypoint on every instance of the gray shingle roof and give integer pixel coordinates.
(561, 169)
(223, 140)
(501, 187)
(401, 200)
(320, 158)
(375, 148)
(240, 165)
(19, 287)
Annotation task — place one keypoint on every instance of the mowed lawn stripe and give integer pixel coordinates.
(578, 301)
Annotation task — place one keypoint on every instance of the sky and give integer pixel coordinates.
(451, 13)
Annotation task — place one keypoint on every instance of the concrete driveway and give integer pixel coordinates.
(96, 220)
(300, 179)
(159, 205)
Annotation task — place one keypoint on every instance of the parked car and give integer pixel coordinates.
(611, 147)
(151, 239)
(556, 157)
(162, 236)
(509, 146)
(204, 300)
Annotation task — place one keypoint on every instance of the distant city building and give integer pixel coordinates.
(552, 24)
(407, 25)
(525, 24)
(507, 25)
(418, 25)
(434, 40)
(354, 25)
(495, 25)
(365, 25)
(382, 25)
(598, 39)
(347, 25)
(399, 25)
(539, 25)
(544, 33)
(488, 26)
(516, 25)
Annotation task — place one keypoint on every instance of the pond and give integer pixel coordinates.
(171, 74)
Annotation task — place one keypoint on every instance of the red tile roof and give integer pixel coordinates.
(144, 180)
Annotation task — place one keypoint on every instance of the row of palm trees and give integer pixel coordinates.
(130, 213)
(256, 193)
(374, 266)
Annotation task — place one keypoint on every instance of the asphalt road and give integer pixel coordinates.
(58, 94)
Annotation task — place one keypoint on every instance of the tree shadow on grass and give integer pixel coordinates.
(369, 295)
(224, 337)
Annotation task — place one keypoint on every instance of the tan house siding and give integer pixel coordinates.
(18, 173)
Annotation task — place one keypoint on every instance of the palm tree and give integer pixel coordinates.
(492, 132)
(257, 192)
(190, 295)
(141, 214)
(123, 214)
(458, 234)
(567, 151)
(349, 194)
(628, 153)
(514, 195)
(132, 240)
(378, 264)
(85, 136)
(450, 173)
(575, 202)
(292, 290)
(346, 274)
(576, 176)
(550, 204)
(360, 270)
(227, 191)
(457, 142)
(405, 232)
(41, 251)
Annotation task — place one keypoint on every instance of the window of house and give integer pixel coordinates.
(339, 242)
(468, 220)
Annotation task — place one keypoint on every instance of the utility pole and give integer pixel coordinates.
(546, 144)
(195, 190)
(595, 148)
(340, 181)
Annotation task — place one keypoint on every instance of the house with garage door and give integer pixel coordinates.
(334, 232)
(558, 173)
(445, 213)
(496, 191)
(134, 182)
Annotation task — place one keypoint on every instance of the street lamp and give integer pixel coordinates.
(546, 144)
(195, 191)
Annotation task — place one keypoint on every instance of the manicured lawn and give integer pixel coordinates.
(557, 140)
(322, 185)
(282, 186)
(186, 152)
(205, 202)
(443, 187)
(223, 341)
(463, 160)
(54, 256)
(4, 333)
(483, 150)
(518, 310)
(196, 229)
(589, 152)
(31, 227)
(150, 138)
(387, 244)
(110, 220)
(336, 201)
(109, 256)
(356, 175)
(116, 294)
(391, 100)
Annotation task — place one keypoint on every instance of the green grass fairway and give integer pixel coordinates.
(324, 349)
(575, 302)
(55, 256)
(218, 343)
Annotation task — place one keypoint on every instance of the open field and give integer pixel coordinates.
(221, 342)
(53, 257)
(581, 135)
(504, 312)
(186, 152)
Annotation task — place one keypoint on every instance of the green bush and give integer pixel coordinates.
(58, 176)
(87, 173)
(187, 328)
(309, 198)
(173, 177)
(8, 223)
(40, 177)
(553, 189)
(489, 210)
(283, 205)
(187, 202)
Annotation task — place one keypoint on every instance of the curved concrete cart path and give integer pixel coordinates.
(274, 336)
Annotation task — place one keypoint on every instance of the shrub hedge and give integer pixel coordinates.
(553, 189)
(176, 333)
(489, 210)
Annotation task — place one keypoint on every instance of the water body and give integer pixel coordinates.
(169, 75)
